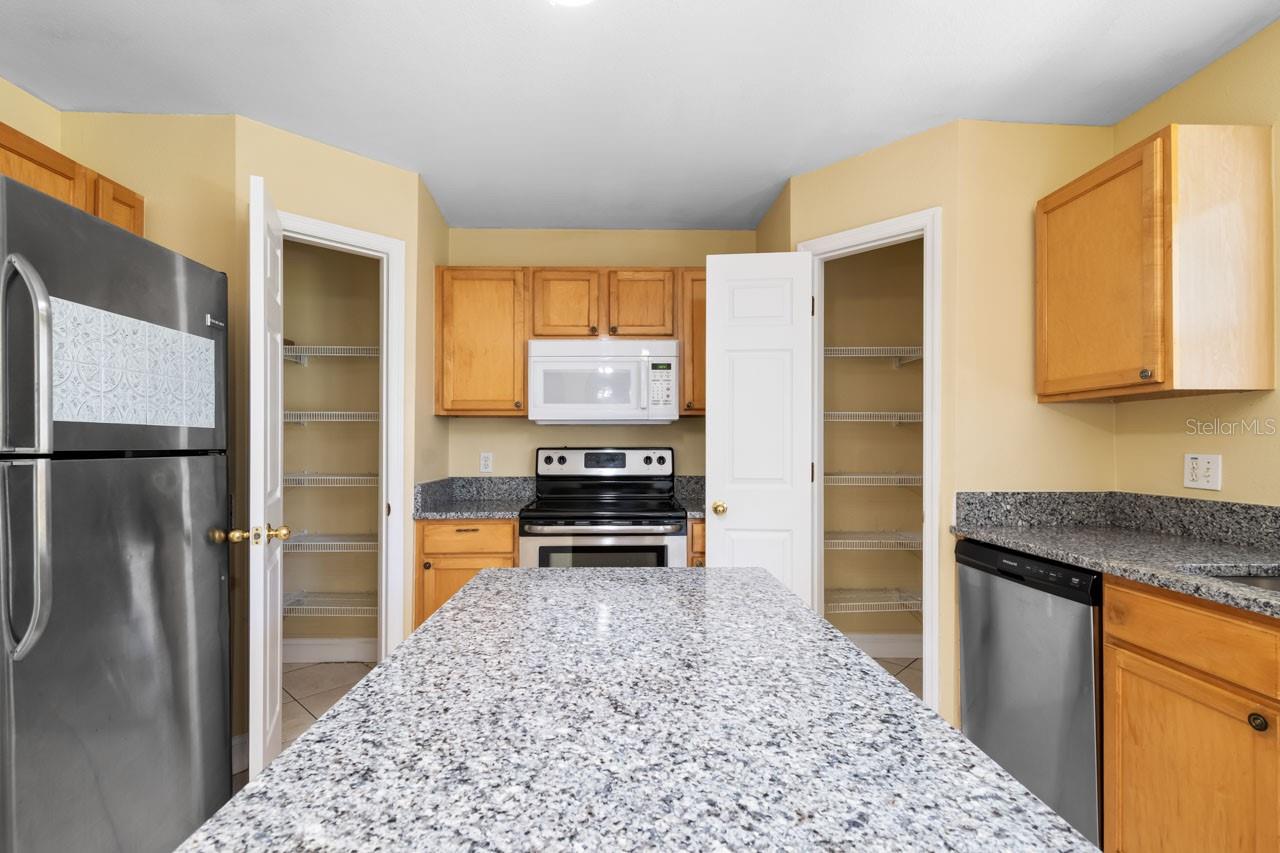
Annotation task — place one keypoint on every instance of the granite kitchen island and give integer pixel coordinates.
(625, 709)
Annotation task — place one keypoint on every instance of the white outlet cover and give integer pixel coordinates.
(486, 462)
(1202, 471)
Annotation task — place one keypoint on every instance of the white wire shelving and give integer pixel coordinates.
(875, 417)
(872, 540)
(300, 354)
(869, 480)
(331, 543)
(900, 355)
(310, 479)
(303, 603)
(884, 600)
(291, 417)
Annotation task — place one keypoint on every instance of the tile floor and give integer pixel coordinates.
(910, 671)
(309, 690)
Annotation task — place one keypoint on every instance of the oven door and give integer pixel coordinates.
(568, 390)
(580, 551)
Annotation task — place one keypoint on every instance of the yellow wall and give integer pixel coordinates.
(1240, 88)
(431, 460)
(773, 233)
(30, 115)
(513, 440)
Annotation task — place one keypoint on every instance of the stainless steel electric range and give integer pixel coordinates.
(604, 506)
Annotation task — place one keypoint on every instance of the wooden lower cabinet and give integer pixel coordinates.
(1191, 760)
(697, 543)
(451, 553)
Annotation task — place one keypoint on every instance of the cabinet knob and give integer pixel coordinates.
(613, 330)
(1144, 373)
(689, 405)
(594, 330)
(519, 405)
(426, 564)
(1258, 722)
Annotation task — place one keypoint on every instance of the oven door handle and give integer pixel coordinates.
(580, 530)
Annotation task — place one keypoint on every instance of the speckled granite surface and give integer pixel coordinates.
(621, 709)
(1173, 543)
(472, 497)
(691, 493)
(502, 497)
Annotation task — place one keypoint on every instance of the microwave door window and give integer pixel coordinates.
(590, 385)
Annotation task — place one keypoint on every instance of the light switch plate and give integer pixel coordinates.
(486, 462)
(1202, 471)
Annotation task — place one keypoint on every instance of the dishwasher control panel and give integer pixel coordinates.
(1081, 584)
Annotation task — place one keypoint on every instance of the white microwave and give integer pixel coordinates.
(603, 381)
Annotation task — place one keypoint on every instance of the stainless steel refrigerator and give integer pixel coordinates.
(114, 694)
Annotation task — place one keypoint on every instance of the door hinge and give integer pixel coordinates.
(813, 306)
(811, 467)
(388, 510)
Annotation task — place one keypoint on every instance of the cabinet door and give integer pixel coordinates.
(697, 543)
(443, 575)
(39, 166)
(117, 204)
(1184, 767)
(480, 342)
(1101, 276)
(693, 342)
(642, 303)
(566, 303)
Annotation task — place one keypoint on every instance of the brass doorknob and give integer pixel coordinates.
(218, 536)
(719, 507)
(282, 532)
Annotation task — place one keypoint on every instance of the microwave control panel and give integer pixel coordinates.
(662, 384)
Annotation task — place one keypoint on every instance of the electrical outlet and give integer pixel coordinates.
(1202, 471)
(486, 462)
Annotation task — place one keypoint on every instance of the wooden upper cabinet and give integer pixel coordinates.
(566, 303)
(37, 165)
(481, 328)
(1154, 270)
(117, 204)
(693, 342)
(642, 303)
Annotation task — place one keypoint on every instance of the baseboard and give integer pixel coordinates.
(330, 649)
(239, 754)
(889, 645)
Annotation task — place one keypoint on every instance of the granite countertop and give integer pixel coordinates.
(624, 709)
(1180, 563)
(451, 508)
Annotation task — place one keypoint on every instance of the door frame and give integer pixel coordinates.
(925, 225)
(395, 592)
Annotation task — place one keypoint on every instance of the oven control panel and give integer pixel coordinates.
(606, 461)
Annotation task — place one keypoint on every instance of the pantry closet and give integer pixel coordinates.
(873, 447)
(332, 391)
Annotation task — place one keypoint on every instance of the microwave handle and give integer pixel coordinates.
(644, 384)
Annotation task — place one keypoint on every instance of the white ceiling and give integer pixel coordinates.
(624, 113)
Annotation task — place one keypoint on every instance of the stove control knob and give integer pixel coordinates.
(562, 460)
(662, 460)
(547, 460)
(648, 460)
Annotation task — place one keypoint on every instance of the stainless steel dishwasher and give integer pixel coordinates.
(1030, 672)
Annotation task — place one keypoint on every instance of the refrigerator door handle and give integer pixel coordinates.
(43, 385)
(41, 554)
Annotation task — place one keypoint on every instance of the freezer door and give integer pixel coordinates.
(1028, 690)
(117, 719)
(139, 333)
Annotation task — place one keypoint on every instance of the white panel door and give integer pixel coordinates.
(760, 415)
(266, 475)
